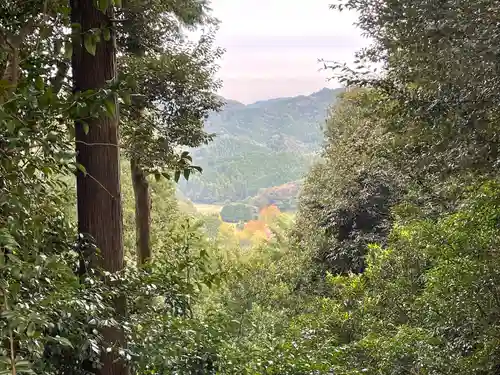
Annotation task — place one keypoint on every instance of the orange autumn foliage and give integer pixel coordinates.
(254, 231)
(269, 213)
(255, 225)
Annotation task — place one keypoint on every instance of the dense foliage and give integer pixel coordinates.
(61, 311)
(426, 303)
(391, 265)
(238, 212)
(393, 258)
(346, 199)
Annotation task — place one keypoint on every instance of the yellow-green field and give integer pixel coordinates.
(207, 209)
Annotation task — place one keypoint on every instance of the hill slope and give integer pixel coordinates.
(257, 146)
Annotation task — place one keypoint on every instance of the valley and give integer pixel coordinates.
(259, 146)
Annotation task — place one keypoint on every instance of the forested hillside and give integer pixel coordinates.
(260, 145)
(390, 266)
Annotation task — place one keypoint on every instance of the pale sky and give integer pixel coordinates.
(273, 46)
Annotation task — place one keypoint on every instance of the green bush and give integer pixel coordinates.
(236, 212)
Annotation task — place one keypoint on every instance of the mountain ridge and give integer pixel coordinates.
(258, 145)
(237, 102)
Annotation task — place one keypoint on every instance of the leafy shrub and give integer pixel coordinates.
(346, 199)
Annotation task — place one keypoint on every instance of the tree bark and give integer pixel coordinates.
(98, 187)
(142, 213)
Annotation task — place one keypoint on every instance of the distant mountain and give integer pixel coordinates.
(260, 145)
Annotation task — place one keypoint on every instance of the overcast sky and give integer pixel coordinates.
(273, 46)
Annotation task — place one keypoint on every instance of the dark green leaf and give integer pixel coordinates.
(39, 83)
(30, 170)
(47, 97)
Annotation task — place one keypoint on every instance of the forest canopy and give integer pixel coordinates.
(389, 266)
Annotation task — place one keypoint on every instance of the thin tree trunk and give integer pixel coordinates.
(142, 213)
(141, 194)
(98, 187)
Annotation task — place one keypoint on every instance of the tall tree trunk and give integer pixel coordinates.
(98, 189)
(142, 213)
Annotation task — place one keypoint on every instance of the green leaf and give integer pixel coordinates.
(131, 82)
(46, 98)
(63, 341)
(106, 34)
(177, 175)
(15, 287)
(52, 136)
(11, 126)
(12, 257)
(126, 98)
(30, 331)
(187, 172)
(68, 50)
(16, 273)
(76, 27)
(110, 107)
(24, 367)
(103, 5)
(71, 131)
(89, 43)
(157, 176)
(39, 83)
(96, 35)
(5, 360)
(81, 168)
(166, 175)
(26, 371)
(7, 240)
(30, 170)
(85, 128)
(197, 168)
